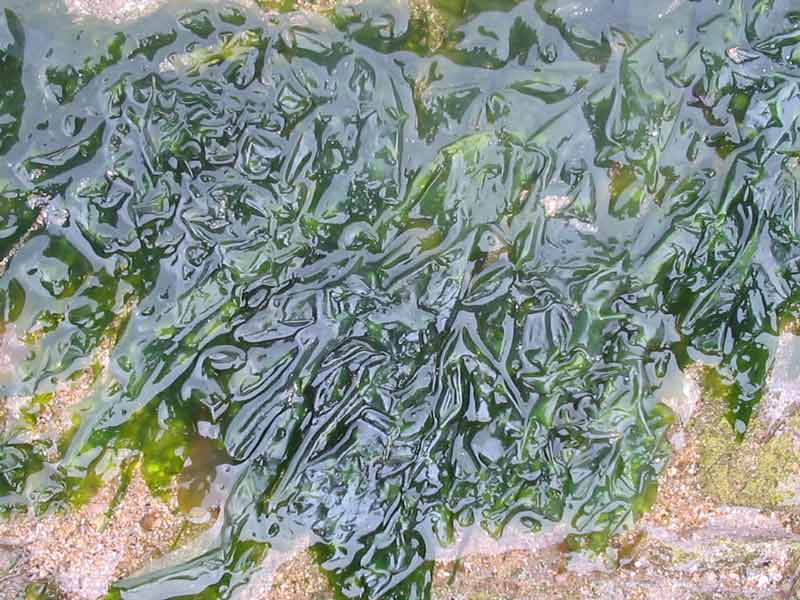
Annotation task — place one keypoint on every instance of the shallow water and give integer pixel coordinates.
(384, 290)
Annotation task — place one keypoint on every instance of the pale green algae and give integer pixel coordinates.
(757, 471)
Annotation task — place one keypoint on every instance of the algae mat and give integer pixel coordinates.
(381, 274)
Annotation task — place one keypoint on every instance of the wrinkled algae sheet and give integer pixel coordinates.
(396, 272)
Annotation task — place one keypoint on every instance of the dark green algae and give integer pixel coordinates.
(325, 254)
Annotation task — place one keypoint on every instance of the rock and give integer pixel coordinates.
(782, 399)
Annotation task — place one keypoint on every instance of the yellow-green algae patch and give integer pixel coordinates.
(751, 472)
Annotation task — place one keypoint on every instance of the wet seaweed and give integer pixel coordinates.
(396, 290)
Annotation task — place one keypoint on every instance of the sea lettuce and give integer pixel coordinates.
(400, 289)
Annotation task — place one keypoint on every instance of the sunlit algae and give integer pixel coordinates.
(400, 290)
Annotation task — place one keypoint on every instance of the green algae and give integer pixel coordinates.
(749, 472)
(40, 591)
(352, 307)
(12, 99)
